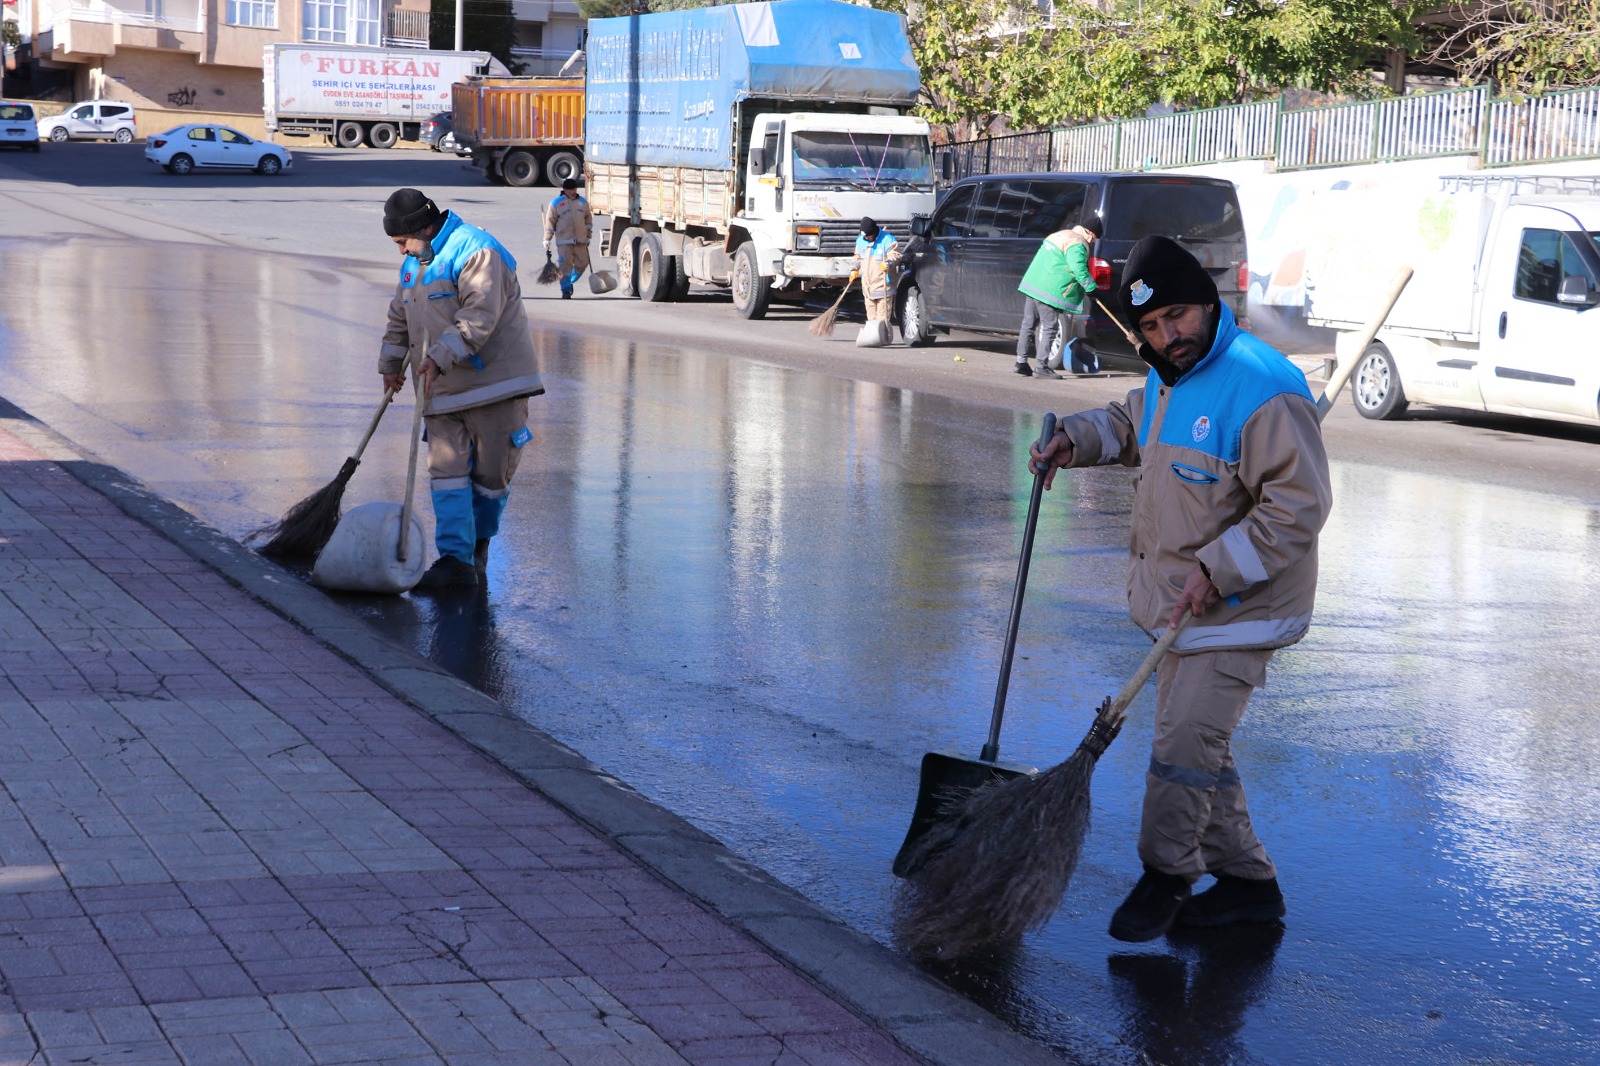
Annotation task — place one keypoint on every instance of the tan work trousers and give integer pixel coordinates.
(572, 260)
(1195, 819)
(878, 308)
(475, 447)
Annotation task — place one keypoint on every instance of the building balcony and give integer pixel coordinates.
(71, 31)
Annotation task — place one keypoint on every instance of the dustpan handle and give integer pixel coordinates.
(991, 750)
(411, 467)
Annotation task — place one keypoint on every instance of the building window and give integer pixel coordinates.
(367, 20)
(259, 13)
(325, 21)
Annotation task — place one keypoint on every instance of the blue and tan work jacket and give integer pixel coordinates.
(1233, 474)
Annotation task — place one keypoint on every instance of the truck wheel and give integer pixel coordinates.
(520, 168)
(561, 166)
(914, 318)
(349, 135)
(656, 270)
(1376, 388)
(680, 280)
(628, 261)
(751, 289)
(382, 135)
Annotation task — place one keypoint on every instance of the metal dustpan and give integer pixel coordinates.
(946, 776)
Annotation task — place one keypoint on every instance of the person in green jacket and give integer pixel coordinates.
(1056, 283)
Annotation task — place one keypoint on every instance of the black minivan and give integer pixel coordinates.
(966, 259)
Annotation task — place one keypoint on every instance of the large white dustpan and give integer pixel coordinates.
(378, 547)
(874, 334)
(601, 281)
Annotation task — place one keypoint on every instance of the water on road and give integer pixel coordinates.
(759, 595)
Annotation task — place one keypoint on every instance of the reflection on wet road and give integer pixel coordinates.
(759, 595)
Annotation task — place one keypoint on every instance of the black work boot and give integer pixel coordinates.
(1150, 908)
(448, 573)
(480, 558)
(1234, 899)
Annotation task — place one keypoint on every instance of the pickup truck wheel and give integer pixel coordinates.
(914, 318)
(656, 270)
(1375, 387)
(752, 291)
(520, 168)
(561, 166)
(349, 135)
(382, 135)
(628, 261)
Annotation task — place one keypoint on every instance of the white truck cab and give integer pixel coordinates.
(1503, 313)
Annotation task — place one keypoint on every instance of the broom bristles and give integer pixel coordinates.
(998, 867)
(549, 273)
(304, 529)
(822, 325)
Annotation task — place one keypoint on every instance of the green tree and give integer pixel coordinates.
(601, 9)
(984, 60)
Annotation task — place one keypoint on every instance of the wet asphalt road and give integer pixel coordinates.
(758, 593)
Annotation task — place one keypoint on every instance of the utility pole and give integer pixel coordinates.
(459, 5)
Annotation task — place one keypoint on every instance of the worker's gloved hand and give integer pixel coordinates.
(547, 248)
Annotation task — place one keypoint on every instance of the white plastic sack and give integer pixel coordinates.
(601, 281)
(360, 556)
(874, 335)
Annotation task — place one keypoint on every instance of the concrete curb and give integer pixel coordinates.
(937, 1024)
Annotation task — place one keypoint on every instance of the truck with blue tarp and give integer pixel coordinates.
(740, 146)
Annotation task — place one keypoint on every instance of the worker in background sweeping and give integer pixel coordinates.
(876, 253)
(1055, 286)
(569, 226)
(458, 288)
(1232, 494)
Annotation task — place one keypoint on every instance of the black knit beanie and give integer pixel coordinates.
(408, 211)
(869, 229)
(1160, 273)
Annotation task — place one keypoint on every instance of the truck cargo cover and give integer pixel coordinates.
(662, 87)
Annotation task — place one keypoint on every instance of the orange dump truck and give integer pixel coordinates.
(521, 130)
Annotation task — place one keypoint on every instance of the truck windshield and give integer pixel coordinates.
(869, 159)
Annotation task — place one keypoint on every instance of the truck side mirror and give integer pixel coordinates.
(1575, 292)
(947, 167)
(758, 160)
(919, 225)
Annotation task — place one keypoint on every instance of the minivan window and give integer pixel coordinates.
(1545, 258)
(113, 110)
(1051, 206)
(999, 209)
(15, 112)
(1190, 211)
(86, 111)
(952, 216)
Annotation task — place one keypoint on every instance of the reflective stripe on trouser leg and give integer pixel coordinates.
(453, 525)
(1195, 819)
(486, 510)
(572, 260)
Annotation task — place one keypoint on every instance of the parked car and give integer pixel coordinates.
(438, 133)
(91, 120)
(966, 258)
(18, 125)
(202, 146)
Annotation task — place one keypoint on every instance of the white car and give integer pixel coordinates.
(18, 126)
(202, 146)
(91, 120)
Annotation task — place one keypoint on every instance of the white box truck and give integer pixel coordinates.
(740, 146)
(355, 96)
(1503, 312)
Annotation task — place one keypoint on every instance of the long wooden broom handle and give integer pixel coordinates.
(411, 467)
(388, 397)
(1126, 332)
(1344, 367)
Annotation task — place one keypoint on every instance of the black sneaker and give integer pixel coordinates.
(1044, 371)
(480, 558)
(1234, 899)
(1024, 369)
(448, 573)
(566, 294)
(1150, 908)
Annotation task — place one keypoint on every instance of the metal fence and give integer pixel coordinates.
(1466, 122)
(1558, 125)
(1378, 131)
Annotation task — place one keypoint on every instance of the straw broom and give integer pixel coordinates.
(997, 866)
(549, 273)
(304, 529)
(822, 325)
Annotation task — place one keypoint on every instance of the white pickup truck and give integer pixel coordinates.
(1503, 313)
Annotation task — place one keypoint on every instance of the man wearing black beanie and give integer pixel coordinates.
(457, 320)
(1232, 493)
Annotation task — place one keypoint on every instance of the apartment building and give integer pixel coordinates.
(200, 60)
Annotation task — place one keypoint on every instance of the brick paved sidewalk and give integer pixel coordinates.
(222, 843)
